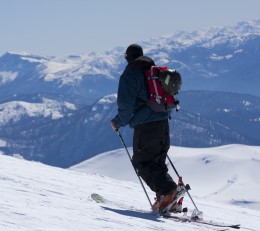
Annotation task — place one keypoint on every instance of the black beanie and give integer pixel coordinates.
(133, 52)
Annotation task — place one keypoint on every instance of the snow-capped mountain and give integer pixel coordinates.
(35, 196)
(206, 119)
(223, 59)
(79, 79)
(14, 111)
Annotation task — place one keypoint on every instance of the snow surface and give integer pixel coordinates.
(38, 197)
(7, 76)
(2, 143)
(221, 173)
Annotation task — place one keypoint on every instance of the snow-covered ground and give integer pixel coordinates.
(38, 197)
(226, 173)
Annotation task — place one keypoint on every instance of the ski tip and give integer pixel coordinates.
(96, 197)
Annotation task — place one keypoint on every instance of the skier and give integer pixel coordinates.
(151, 139)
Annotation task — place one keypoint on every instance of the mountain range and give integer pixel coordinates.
(57, 110)
(66, 135)
(219, 59)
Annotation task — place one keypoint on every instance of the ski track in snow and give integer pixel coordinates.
(34, 196)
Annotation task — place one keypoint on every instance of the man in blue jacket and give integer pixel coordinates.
(151, 140)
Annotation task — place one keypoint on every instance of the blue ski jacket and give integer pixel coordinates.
(132, 97)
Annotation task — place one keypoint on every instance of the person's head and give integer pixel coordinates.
(133, 52)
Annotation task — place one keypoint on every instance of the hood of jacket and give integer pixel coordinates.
(141, 62)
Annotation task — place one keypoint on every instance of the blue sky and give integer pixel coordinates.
(62, 27)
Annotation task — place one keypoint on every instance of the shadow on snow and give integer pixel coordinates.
(137, 214)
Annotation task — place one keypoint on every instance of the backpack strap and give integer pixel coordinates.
(157, 97)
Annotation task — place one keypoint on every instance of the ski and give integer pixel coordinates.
(197, 224)
(200, 221)
(99, 199)
(178, 218)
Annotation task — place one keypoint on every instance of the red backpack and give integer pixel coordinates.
(163, 84)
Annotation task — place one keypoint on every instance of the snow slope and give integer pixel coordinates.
(39, 197)
(224, 173)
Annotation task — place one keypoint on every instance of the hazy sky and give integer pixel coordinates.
(62, 27)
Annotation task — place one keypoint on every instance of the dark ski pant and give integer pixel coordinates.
(150, 147)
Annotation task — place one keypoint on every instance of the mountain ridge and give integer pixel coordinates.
(210, 59)
(206, 119)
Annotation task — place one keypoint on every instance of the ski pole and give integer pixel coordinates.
(179, 177)
(123, 142)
